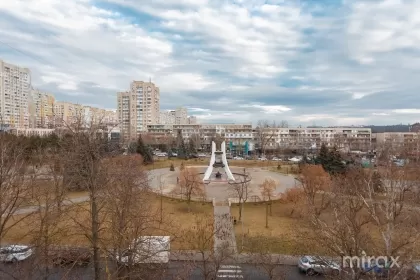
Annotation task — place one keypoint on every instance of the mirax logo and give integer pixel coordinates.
(366, 261)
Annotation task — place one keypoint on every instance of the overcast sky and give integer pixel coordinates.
(322, 62)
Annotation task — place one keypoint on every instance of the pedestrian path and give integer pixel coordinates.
(229, 271)
(224, 234)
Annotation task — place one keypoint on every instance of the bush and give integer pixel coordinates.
(172, 168)
(182, 167)
(278, 167)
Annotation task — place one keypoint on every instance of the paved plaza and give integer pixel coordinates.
(166, 181)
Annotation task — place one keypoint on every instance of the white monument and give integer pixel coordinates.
(218, 160)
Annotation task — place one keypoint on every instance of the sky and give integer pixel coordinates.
(323, 62)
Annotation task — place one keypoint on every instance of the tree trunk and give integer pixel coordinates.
(240, 212)
(95, 237)
(266, 215)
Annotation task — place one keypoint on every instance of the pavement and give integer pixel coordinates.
(224, 234)
(174, 270)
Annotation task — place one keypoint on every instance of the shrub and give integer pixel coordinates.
(172, 167)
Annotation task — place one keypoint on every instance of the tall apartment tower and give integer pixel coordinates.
(181, 115)
(41, 109)
(137, 108)
(15, 87)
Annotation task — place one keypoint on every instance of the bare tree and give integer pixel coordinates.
(390, 212)
(191, 184)
(284, 124)
(14, 187)
(129, 219)
(200, 238)
(268, 188)
(86, 149)
(265, 134)
(295, 196)
(242, 191)
(316, 184)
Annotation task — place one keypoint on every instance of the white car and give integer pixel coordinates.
(276, 159)
(238, 158)
(15, 253)
(262, 158)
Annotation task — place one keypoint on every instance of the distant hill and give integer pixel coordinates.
(389, 128)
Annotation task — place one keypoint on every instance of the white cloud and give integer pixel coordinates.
(406, 111)
(270, 109)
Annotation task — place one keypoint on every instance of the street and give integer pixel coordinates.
(176, 270)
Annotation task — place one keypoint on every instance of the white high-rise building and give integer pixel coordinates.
(181, 115)
(15, 87)
(138, 108)
(167, 117)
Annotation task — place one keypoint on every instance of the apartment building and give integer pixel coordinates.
(409, 141)
(137, 108)
(237, 136)
(167, 117)
(181, 115)
(345, 138)
(41, 109)
(177, 116)
(15, 87)
(67, 113)
(192, 120)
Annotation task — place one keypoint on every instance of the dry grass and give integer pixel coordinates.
(286, 234)
(71, 228)
(289, 234)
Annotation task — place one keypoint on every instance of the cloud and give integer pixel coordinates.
(348, 62)
(407, 111)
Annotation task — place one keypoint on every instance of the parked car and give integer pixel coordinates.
(379, 270)
(262, 158)
(15, 253)
(314, 265)
(202, 155)
(276, 159)
(238, 158)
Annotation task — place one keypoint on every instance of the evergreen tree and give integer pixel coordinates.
(335, 162)
(144, 151)
(323, 156)
(191, 146)
(331, 160)
(182, 150)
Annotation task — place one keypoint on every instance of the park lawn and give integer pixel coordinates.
(286, 169)
(70, 229)
(284, 235)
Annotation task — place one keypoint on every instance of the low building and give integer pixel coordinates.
(345, 138)
(41, 132)
(407, 141)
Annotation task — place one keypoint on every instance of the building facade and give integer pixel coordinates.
(137, 108)
(344, 138)
(402, 141)
(15, 88)
(238, 137)
(167, 117)
(181, 115)
(66, 113)
(41, 109)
